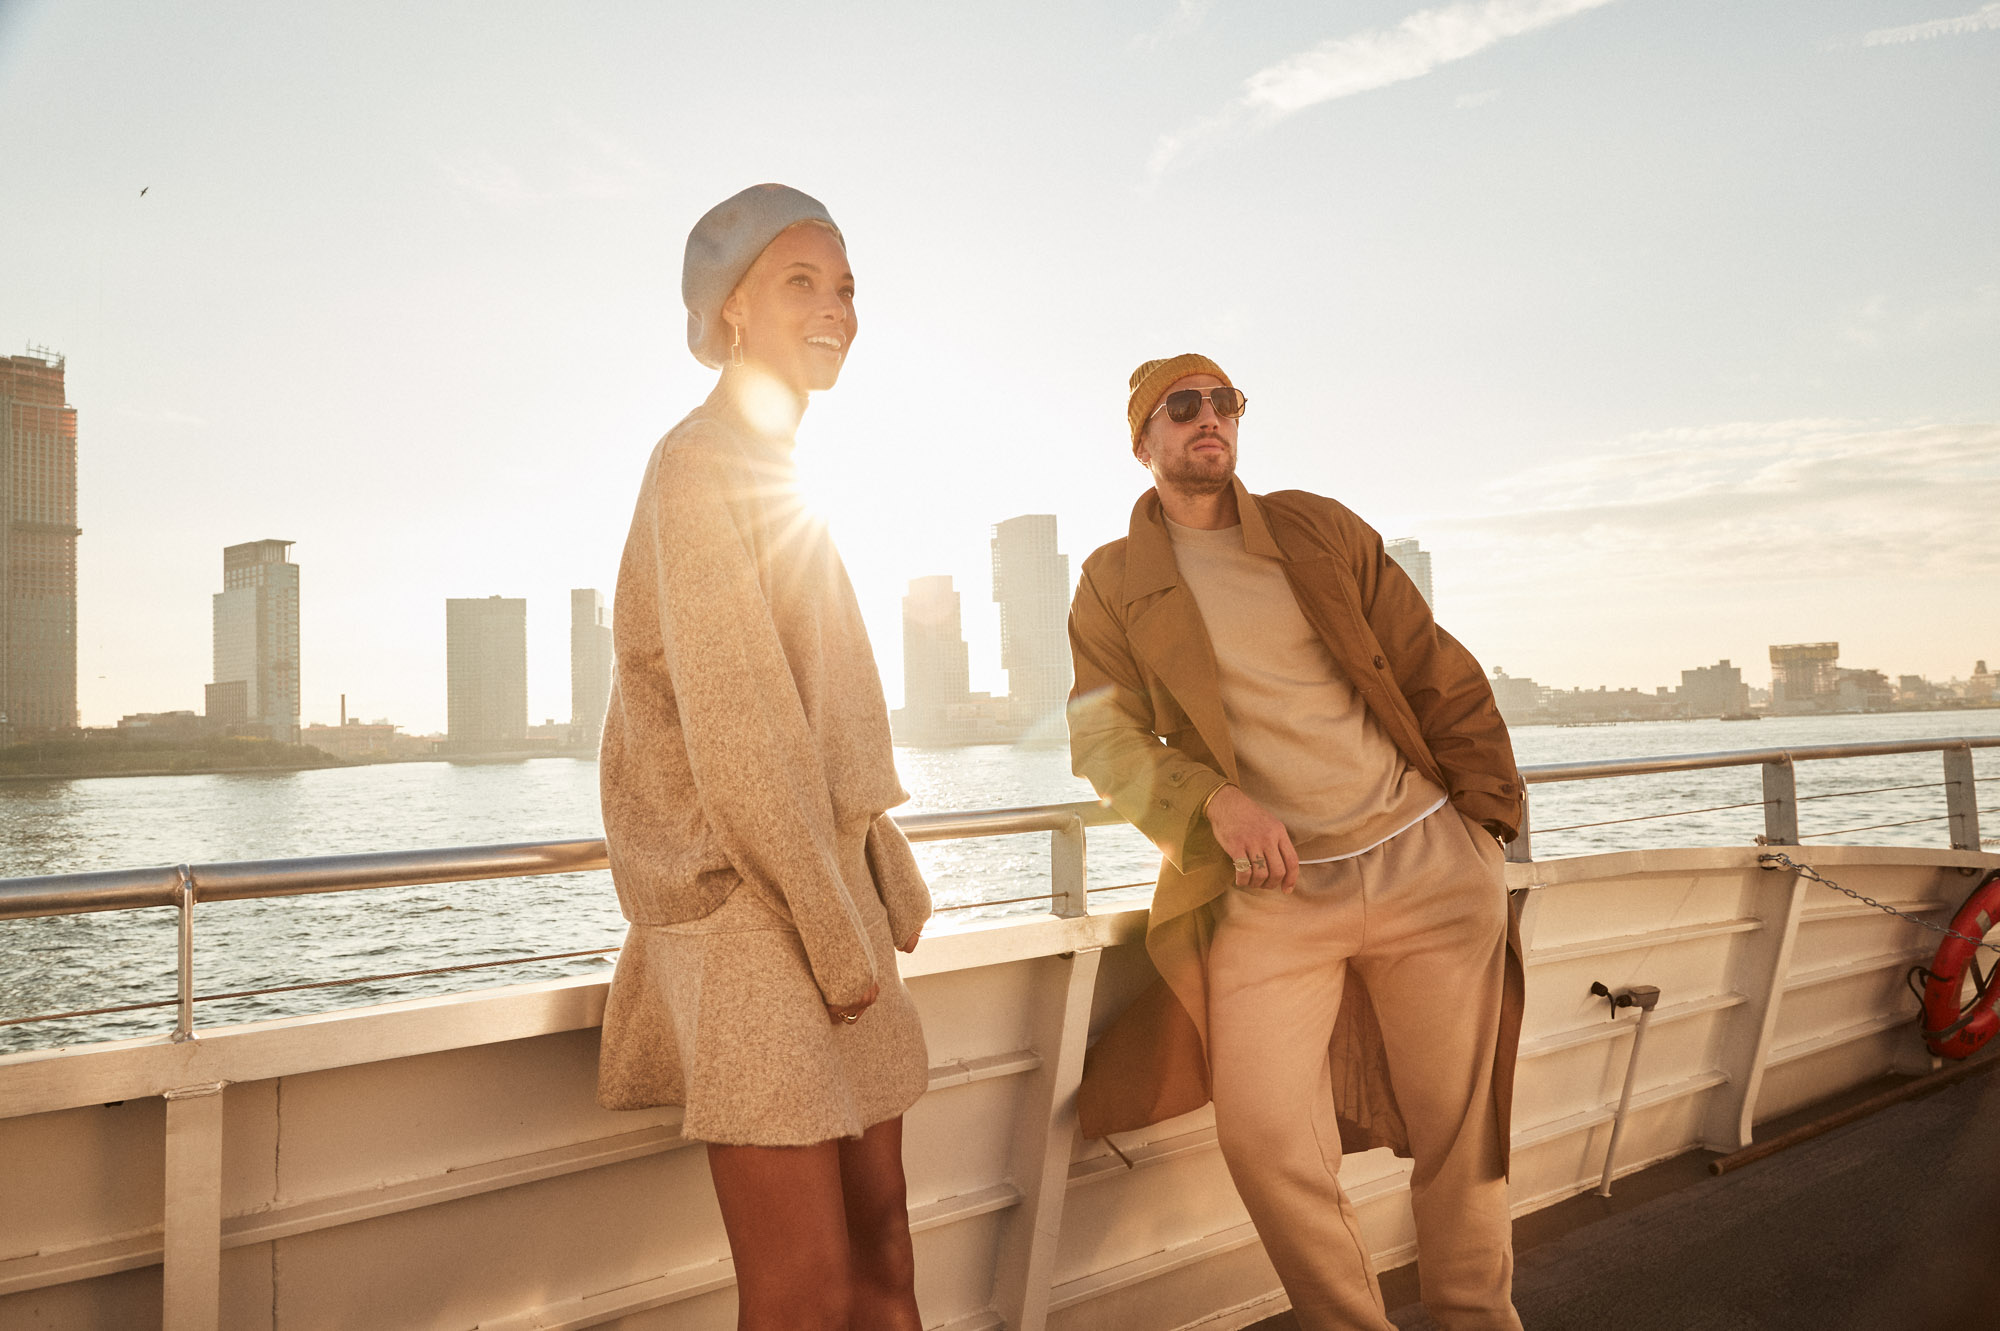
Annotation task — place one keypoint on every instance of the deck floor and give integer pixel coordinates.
(1888, 1224)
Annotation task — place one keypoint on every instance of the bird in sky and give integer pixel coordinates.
(143, 189)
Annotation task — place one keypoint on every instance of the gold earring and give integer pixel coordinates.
(736, 347)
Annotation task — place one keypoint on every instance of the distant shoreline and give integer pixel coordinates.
(239, 769)
(1757, 716)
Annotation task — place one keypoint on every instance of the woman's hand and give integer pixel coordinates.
(1255, 840)
(851, 1012)
(915, 938)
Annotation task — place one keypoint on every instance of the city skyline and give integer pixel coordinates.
(1670, 347)
(256, 633)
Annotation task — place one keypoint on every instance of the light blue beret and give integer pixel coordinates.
(721, 248)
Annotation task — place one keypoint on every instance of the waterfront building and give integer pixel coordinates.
(1915, 691)
(38, 534)
(1414, 560)
(1518, 699)
(1716, 690)
(1031, 586)
(256, 642)
(353, 738)
(1805, 677)
(589, 664)
(1865, 691)
(1984, 685)
(179, 727)
(936, 668)
(1601, 704)
(486, 673)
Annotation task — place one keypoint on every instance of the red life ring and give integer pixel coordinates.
(1951, 1030)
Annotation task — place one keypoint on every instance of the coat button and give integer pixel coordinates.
(1379, 663)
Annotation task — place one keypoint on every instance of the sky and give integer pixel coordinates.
(1670, 327)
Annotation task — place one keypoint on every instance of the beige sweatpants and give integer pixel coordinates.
(1422, 919)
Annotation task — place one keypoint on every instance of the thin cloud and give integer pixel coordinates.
(1467, 101)
(1369, 60)
(1986, 19)
(1800, 500)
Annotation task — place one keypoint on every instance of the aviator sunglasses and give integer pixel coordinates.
(1184, 404)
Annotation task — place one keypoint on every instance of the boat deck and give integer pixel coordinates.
(1891, 1224)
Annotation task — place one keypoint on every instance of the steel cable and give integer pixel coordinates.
(315, 984)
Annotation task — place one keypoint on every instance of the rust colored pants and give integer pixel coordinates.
(1422, 920)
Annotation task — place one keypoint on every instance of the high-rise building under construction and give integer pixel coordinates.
(1031, 585)
(38, 534)
(1805, 677)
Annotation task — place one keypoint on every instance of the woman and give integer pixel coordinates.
(746, 771)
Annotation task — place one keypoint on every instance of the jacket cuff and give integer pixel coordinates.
(1199, 788)
(898, 880)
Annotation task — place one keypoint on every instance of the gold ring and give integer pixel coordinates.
(850, 1017)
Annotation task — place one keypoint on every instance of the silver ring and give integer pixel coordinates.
(850, 1017)
(1242, 866)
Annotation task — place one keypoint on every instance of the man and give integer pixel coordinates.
(1263, 693)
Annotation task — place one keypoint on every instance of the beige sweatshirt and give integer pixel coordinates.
(1307, 747)
(747, 740)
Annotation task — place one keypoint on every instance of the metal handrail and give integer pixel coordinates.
(245, 880)
(184, 886)
(1695, 762)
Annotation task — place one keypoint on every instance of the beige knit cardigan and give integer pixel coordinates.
(747, 737)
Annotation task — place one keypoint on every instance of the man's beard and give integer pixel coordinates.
(1193, 476)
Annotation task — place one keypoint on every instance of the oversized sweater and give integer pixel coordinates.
(747, 738)
(1307, 748)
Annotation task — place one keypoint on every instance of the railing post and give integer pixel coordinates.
(1781, 803)
(191, 1276)
(184, 1022)
(1521, 849)
(1066, 869)
(1961, 798)
(1044, 1138)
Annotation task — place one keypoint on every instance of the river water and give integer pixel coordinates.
(89, 961)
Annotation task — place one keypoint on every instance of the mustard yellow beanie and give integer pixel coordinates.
(1151, 380)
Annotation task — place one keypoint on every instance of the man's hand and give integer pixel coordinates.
(1258, 842)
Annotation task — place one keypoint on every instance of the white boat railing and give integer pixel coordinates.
(185, 886)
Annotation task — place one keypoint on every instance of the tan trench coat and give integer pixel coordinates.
(1147, 730)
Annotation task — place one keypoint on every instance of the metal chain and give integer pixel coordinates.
(1777, 859)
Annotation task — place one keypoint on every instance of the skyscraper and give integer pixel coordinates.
(38, 534)
(936, 672)
(256, 616)
(589, 663)
(1031, 585)
(486, 672)
(1414, 560)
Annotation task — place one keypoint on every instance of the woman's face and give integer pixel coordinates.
(795, 308)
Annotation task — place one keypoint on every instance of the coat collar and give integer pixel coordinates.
(1149, 549)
